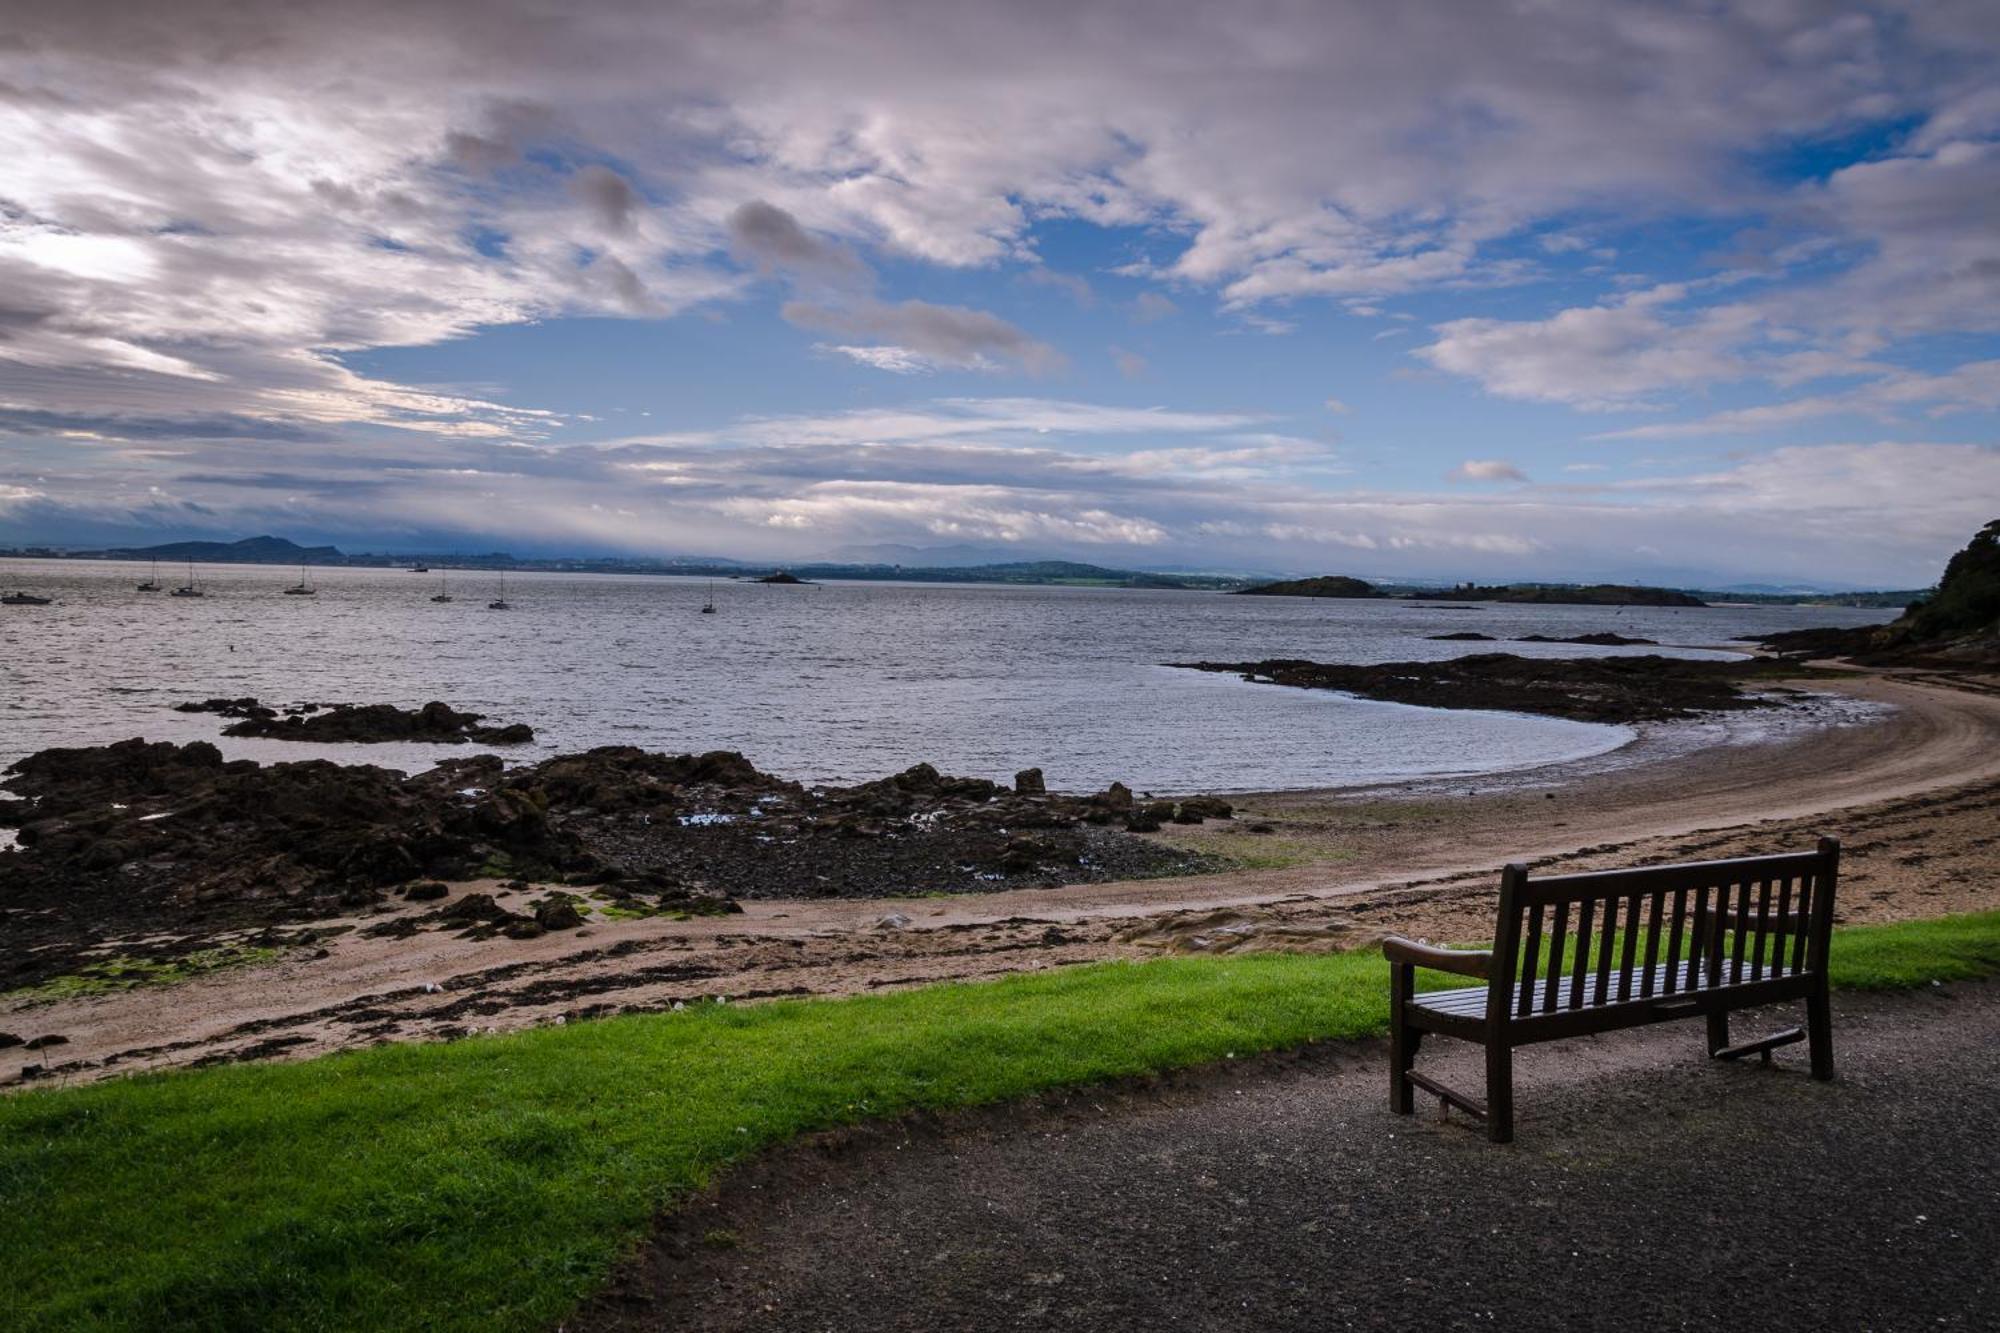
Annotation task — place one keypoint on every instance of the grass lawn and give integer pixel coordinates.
(492, 1183)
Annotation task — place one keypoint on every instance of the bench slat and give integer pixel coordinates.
(1556, 956)
(1586, 914)
(1659, 901)
(1530, 960)
(1680, 921)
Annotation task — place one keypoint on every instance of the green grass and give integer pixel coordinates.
(492, 1183)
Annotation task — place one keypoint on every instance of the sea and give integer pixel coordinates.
(828, 683)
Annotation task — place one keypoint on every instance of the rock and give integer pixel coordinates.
(43, 1043)
(1463, 636)
(475, 907)
(436, 722)
(523, 928)
(1028, 782)
(1149, 817)
(558, 914)
(8, 1039)
(893, 921)
(1635, 688)
(1605, 640)
(1116, 797)
(426, 891)
(1205, 807)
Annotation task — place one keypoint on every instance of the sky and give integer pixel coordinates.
(1665, 292)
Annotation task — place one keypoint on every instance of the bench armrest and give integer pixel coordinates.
(1465, 962)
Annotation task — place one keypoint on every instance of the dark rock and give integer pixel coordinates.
(1149, 817)
(1588, 689)
(558, 914)
(1205, 807)
(43, 1043)
(426, 891)
(1028, 782)
(522, 928)
(1604, 640)
(435, 722)
(1117, 797)
(1464, 636)
(8, 1039)
(474, 907)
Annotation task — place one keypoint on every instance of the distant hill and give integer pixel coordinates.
(964, 555)
(1067, 572)
(249, 551)
(1555, 594)
(1326, 585)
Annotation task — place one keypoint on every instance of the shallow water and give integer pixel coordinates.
(840, 682)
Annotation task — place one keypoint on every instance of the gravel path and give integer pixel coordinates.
(1649, 1189)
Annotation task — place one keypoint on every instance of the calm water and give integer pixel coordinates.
(839, 682)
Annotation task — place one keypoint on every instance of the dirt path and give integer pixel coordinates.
(1913, 797)
(1649, 1188)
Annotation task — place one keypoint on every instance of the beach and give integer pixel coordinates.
(1910, 792)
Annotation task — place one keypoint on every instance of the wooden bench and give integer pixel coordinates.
(1645, 946)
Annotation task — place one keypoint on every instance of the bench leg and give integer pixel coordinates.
(1403, 1039)
(1718, 1031)
(1499, 1092)
(1819, 1034)
(1403, 1044)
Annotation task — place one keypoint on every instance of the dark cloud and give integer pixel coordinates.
(607, 196)
(770, 238)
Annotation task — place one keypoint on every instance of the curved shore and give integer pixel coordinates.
(1334, 868)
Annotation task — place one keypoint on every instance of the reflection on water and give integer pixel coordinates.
(838, 682)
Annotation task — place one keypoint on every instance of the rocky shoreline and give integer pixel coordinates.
(148, 851)
(1648, 688)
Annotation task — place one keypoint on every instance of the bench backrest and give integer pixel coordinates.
(1572, 942)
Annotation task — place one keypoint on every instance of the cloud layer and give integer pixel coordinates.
(210, 209)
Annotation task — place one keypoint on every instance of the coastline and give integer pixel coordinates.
(1341, 866)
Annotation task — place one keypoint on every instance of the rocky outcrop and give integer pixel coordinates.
(434, 723)
(1587, 689)
(142, 839)
(1956, 626)
(1604, 640)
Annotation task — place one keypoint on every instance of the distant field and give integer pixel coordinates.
(493, 1183)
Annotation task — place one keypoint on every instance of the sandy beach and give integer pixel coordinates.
(1911, 795)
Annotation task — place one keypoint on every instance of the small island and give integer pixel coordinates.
(1326, 585)
(1590, 594)
(782, 576)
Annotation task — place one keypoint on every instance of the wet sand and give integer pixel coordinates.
(1913, 796)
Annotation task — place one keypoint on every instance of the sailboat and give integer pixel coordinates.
(708, 607)
(190, 588)
(500, 603)
(443, 592)
(301, 588)
(152, 583)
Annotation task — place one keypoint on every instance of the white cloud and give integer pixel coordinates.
(1606, 356)
(940, 334)
(1487, 469)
